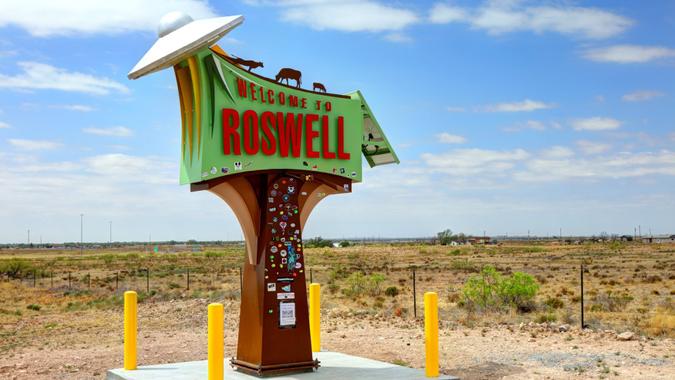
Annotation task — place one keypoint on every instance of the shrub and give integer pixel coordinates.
(359, 284)
(345, 243)
(213, 255)
(546, 317)
(318, 242)
(554, 303)
(519, 289)
(489, 289)
(391, 291)
(15, 268)
(356, 285)
(34, 307)
(464, 266)
(375, 281)
(610, 302)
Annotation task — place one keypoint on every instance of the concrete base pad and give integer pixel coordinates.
(334, 366)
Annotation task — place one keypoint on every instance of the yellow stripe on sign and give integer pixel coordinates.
(194, 74)
(185, 88)
(183, 112)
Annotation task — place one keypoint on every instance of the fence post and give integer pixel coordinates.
(117, 280)
(241, 281)
(147, 280)
(34, 277)
(68, 280)
(130, 329)
(89, 280)
(582, 295)
(215, 341)
(188, 278)
(315, 316)
(431, 333)
(311, 278)
(51, 277)
(414, 294)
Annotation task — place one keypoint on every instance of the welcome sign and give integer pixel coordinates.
(253, 123)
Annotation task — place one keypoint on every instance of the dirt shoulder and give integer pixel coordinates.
(90, 342)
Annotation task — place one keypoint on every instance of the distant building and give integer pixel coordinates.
(659, 239)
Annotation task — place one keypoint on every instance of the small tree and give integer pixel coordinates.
(483, 290)
(319, 242)
(445, 237)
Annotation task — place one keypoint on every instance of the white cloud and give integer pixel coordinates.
(555, 163)
(40, 76)
(398, 37)
(534, 125)
(628, 53)
(557, 152)
(442, 13)
(463, 162)
(447, 138)
(641, 96)
(672, 136)
(455, 109)
(596, 124)
(75, 107)
(3, 125)
(130, 168)
(43, 18)
(622, 165)
(499, 17)
(589, 147)
(34, 144)
(118, 131)
(526, 105)
(345, 15)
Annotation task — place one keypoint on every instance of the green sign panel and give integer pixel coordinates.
(235, 121)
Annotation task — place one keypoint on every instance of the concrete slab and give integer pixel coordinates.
(334, 366)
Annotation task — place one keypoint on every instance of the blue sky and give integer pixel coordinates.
(507, 116)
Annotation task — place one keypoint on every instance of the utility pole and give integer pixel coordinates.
(560, 234)
(110, 233)
(29, 236)
(81, 232)
(528, 235)
(639, 231)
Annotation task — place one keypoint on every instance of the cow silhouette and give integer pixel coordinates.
(318, 87)
(288, 73)
(246, 62)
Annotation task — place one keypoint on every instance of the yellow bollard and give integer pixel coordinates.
(216, 345)
(315, 316)
(431, 333)
(130, 329)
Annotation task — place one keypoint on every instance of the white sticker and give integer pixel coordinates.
(285, 296)
(271, 287)
(287, 314)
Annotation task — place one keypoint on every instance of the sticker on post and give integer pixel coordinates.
(287, 314)
(271, 287)
(285, 296)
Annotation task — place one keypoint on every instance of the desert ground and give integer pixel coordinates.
(61, 310)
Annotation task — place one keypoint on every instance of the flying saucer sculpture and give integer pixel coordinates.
(180, 37)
